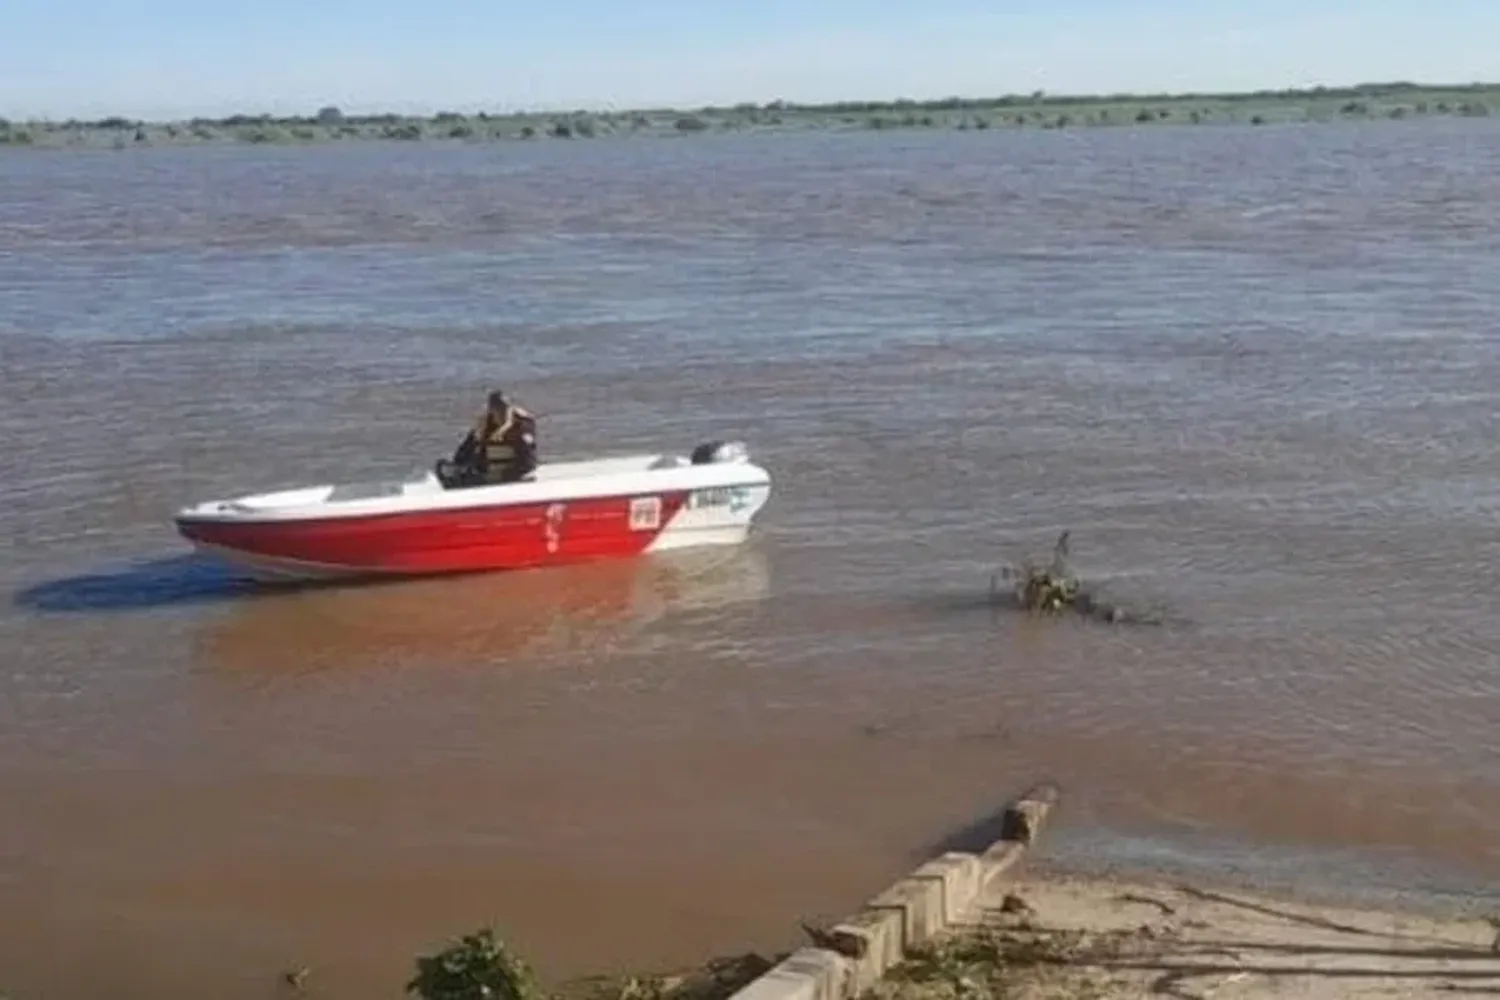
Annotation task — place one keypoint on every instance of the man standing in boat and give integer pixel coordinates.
(500, 449)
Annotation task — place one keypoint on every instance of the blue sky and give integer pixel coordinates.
(175, 58)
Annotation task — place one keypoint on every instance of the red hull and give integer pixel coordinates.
(510, 536)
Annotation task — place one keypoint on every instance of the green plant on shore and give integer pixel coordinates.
(480, 966)
(477, 967)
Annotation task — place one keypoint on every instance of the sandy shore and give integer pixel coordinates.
(1053, 936)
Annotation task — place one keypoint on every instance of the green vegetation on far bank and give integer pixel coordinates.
(1038, 110)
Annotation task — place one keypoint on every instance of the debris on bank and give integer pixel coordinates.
(1061, 937)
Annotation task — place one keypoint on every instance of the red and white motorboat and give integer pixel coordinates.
(566, 512)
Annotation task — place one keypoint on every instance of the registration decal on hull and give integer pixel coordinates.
(645, 513)
(735, 498)
(553, 523)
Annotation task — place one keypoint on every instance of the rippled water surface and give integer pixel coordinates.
(1254, 370)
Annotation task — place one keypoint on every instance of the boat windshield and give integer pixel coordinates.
(364, 491)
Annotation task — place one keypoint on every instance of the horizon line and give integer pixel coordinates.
(948, 102)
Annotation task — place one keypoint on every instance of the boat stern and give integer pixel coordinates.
(720, 508)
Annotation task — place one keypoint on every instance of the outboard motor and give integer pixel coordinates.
(712, 452)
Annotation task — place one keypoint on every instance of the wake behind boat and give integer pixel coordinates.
(561, 512)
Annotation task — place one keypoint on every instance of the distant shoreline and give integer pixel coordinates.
(1038, 110)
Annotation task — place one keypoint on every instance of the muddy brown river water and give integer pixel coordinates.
(1254, 370)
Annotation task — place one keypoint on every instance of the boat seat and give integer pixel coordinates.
(447, 477)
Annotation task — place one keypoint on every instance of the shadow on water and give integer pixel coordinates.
(154, 583)
(973, 837)
(1097, 604)
(192, 579)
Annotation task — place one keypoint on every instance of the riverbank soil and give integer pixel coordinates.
(1048, 937)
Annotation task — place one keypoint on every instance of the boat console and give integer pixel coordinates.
(711, 452)
(451, 477)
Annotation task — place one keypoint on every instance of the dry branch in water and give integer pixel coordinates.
(1052, 588)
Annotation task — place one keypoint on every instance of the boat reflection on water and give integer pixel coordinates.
(531, 615)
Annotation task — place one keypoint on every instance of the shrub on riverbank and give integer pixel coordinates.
(480, 966)
(477, 967)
